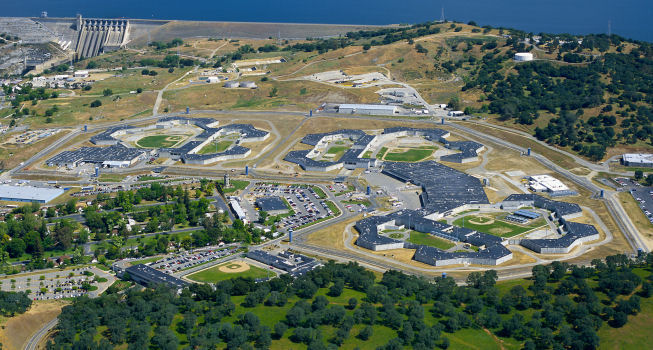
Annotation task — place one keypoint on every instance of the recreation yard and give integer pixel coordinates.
(495, 226)
(230, 270)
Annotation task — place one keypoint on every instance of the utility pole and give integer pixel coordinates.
(609, 27)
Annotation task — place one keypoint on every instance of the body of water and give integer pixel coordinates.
(628, 18)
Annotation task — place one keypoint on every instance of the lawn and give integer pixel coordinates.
(236, 185)
(429, 240)
(214, 275)
(497, 228)
(111, 177)
(337, 152)
(634, 335)
(159, 141)
(411, 155)
(215, 147)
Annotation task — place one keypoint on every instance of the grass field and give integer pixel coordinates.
(213, 274)
(159, 141)
(236, 185)
(429, 240)
(111, 177)
(410, 155)
(497, 228)
(336, 152)
(215, 147)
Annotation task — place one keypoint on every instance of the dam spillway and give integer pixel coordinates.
(96, 36)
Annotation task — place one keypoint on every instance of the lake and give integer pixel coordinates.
(629, 18)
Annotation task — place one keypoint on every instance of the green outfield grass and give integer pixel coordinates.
(497, 228)
(429, 240)
(214, 147)
(337, 152)
(411, 155)
(213, 274)
(159, 141)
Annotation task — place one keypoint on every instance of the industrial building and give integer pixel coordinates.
(351, 159)
(523, 56)
(367, 109)
(238, 210)
(150, 277)
(272, 205)
(362, 142)
(443, 190)
(120, 155)
(294, 264)
(638, 160)
(549, 184)
(117, 156)
(28, 193)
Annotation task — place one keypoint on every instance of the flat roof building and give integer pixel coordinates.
(367, 109)
(150, 277)
(28, 193)
(272, 205)
(638, 159)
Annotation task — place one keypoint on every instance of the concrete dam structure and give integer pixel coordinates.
(95, 36)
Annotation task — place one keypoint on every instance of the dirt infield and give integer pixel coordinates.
(481, 220)
(234, 267)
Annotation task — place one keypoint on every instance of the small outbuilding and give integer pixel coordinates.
(523, 56)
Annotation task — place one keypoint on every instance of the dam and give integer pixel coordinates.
(96, 36)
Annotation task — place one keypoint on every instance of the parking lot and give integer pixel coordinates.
(644, 198)
(642, 194)
(183, 261)
(59, 284)
(304, 202)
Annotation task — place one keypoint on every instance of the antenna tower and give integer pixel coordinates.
(442, 15)
(609, 27)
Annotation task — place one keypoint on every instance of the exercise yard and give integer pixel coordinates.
(429, 240)
(160, 141)
(230, 270)
(410, 155)
(494, 226)
(215, 147)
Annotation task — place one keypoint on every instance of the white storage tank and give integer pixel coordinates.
(523, 56)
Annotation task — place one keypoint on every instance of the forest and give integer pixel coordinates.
(561, 306)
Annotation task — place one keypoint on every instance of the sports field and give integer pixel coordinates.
(334, 153)
(429, 240)
(410, 155)
(159, 141)
(215, 147)
(493, 226)
(229, 270)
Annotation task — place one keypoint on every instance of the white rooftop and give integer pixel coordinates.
(638, 157)
(550, 183)
(364, 106)
(29, 193)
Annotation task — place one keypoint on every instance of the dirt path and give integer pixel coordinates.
(497, 340)
(16, 331)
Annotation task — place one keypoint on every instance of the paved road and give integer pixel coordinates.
(36, 337)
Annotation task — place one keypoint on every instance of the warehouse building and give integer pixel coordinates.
(273, 205)
(117, 156)
(574, 234)
(549, 184)
(150, 277)
(367, 109)
(28, 193)
(638, 160)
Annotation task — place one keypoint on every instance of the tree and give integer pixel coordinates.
(279, 329)
(107, 92)
(273, 92)
(96, 103)
(639, 174)
(454, 103)
(649, 180)
(165, 339)
(366, 333)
